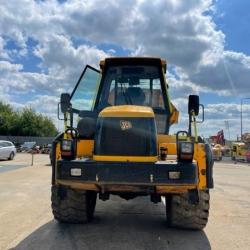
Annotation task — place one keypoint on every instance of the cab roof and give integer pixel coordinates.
(133, 61)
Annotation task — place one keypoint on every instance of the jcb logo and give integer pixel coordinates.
(125, 125)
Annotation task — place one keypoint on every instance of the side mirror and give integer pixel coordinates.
(193, 104)
(65, 102)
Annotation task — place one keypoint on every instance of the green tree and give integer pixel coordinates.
(7, 116)
(25, 122)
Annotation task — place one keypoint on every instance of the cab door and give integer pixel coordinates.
(1, 150)
(84, 95)
(4, 150)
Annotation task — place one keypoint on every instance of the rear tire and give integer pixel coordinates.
(76, 206)
(182, 214)
(11, 157)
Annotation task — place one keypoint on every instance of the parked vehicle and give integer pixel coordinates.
(34, 150)
(239, 151)
(7, 150)
(18, 146)
(27, 146)
(46, 149)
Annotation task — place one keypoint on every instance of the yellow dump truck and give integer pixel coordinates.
(116, 141)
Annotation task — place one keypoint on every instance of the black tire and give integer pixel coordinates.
(182, 214)
(11, 157)
(76, 206)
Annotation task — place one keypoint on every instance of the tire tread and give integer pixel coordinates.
(182, 214)
(77, 207)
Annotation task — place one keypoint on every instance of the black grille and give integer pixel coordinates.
(125, 136)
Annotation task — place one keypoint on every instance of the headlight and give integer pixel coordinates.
(66, 145)
(185, 151)
(68, 149)
(186, 147)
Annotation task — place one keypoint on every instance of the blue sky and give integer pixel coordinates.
(44, 46)
(233, 17)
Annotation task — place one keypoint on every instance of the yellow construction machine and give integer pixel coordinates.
(241, 149)
(116, 141)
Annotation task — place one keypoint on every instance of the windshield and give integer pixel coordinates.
(135, 85)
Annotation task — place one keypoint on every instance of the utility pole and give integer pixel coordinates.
(228, 129)
(241, 123)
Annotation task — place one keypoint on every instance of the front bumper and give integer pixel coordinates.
(129, 174)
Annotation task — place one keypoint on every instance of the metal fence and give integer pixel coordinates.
(21, 139)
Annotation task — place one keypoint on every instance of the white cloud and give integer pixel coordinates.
(183, 32)
(15, 80)
(63, 60)
(3, 52)
(44, 103)
(176, 30)
(230, 74)
(217, 114)
(215, 117)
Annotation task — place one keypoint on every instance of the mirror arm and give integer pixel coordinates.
(192, 119)
(195, 128)
(203, 116)
(203, 112)
(65, 115)
(71, 117)
(190, 125)
(58, 112)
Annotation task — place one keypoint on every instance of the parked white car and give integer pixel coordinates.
(7, 150)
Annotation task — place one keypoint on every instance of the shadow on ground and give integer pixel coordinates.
(130, 226)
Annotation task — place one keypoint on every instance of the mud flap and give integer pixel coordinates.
(209, 164)
(53, 156)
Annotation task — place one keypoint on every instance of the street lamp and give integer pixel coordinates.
(241, 129)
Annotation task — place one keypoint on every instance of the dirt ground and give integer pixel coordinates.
(26, 221)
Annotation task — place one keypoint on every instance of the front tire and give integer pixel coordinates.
(11, 157)
(73, 206)
(182, 214)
